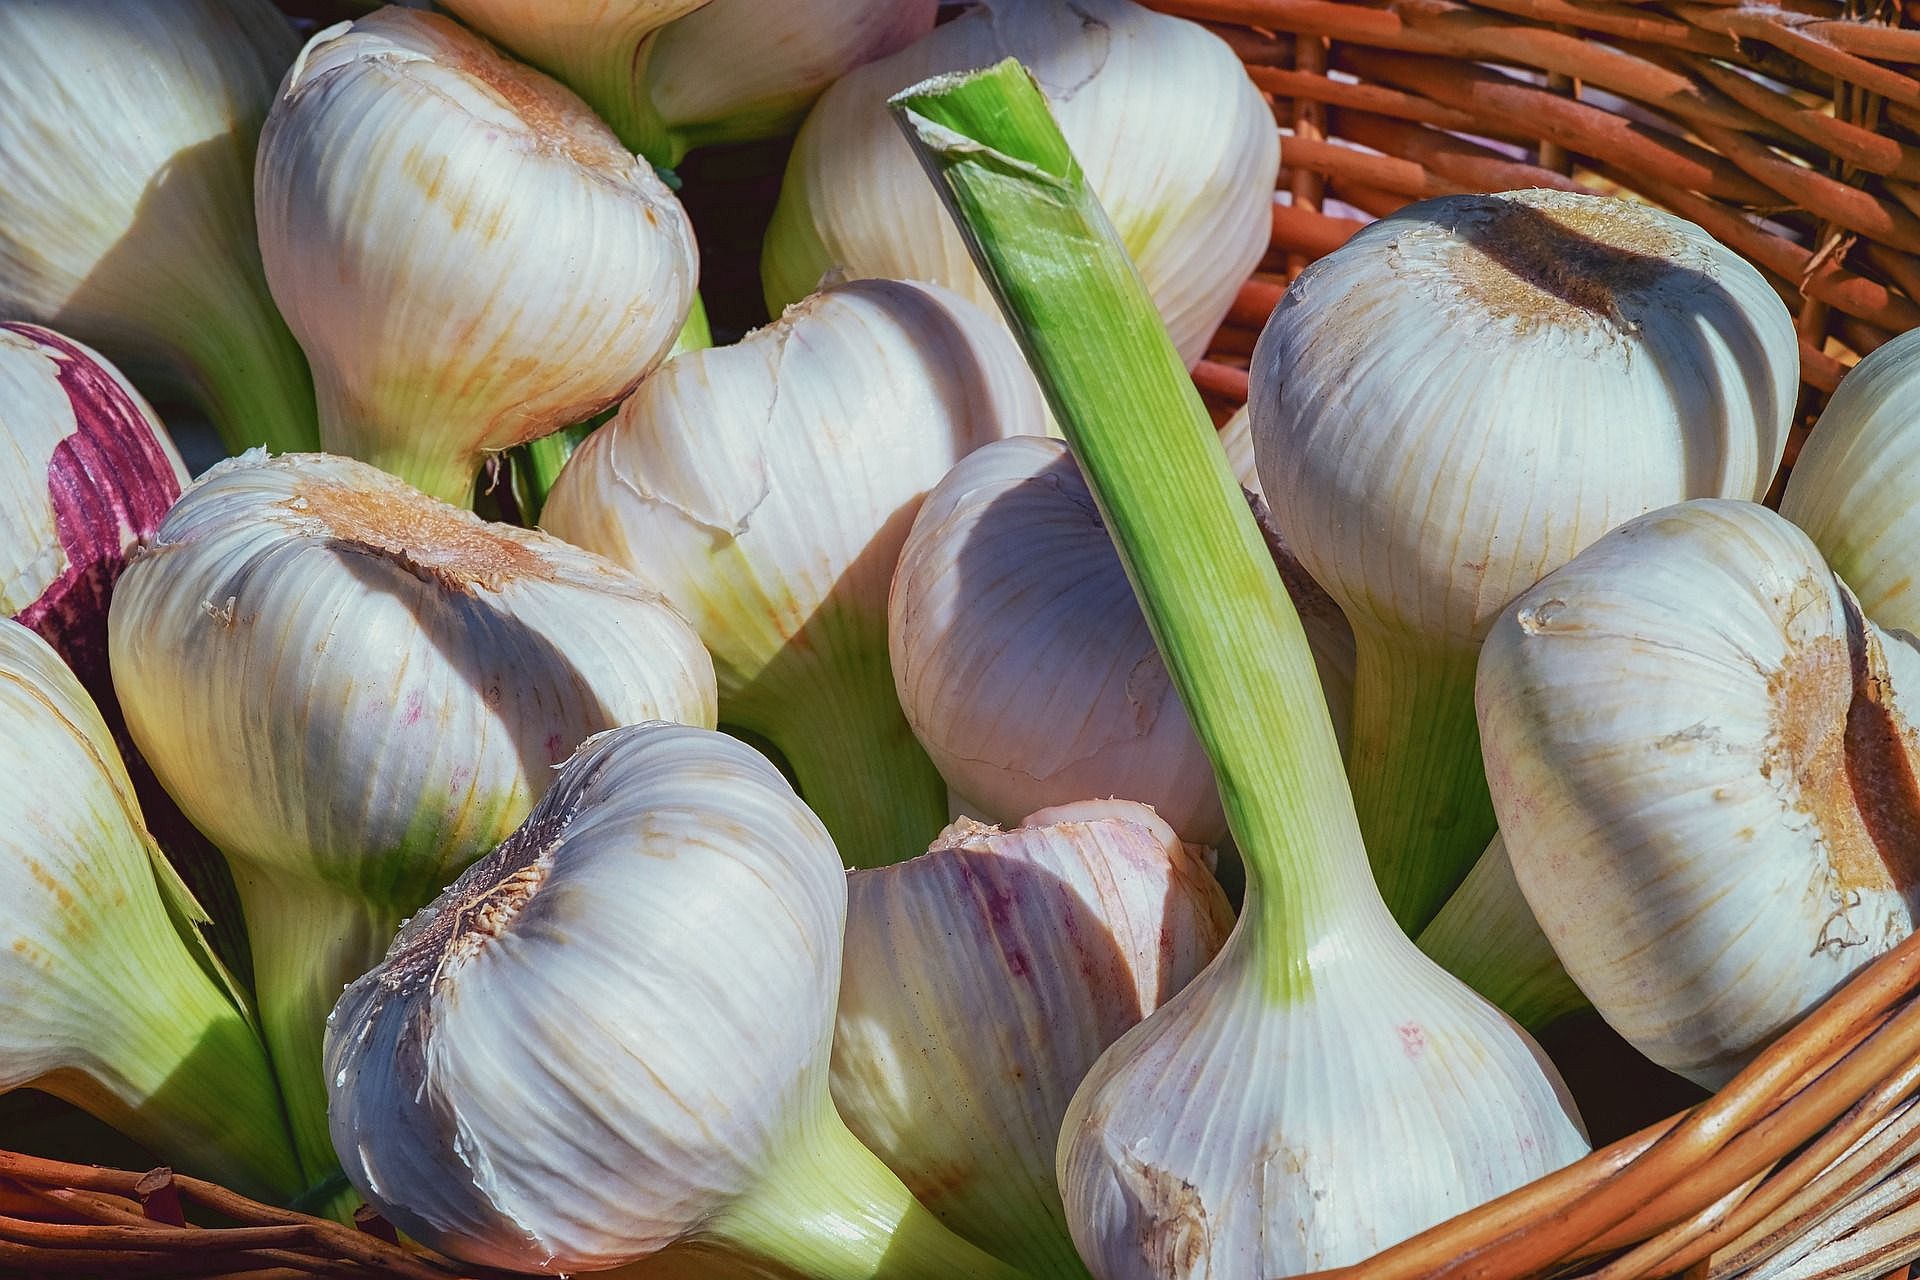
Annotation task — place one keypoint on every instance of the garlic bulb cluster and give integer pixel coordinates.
(1852, 486)
(1178, 144)
(1712, 853)
(468, 255)
(141, 241)
(355, 690)
(1534, 368)
(611, 1035)
(1021, 657)
(767, 487)
(670, 75)
(983, 978)
(108, 996)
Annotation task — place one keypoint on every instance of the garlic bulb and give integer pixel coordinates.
(1852, 487)
(1713, 852)
(138, 237)
(1021, 657)
(468, 255)
(355, 691)
(108, 997)
(1178, 144)
(981, 981)
(766, 488)
(1537, 367)
(1486, 936)
(611, 1036)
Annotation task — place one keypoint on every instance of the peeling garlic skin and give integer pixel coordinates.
(604, 1031)
(1600, 359)
(1680, 727)
(1852, 486)
(981, 982)
(1161, 1182)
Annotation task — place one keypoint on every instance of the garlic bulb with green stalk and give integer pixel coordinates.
(1020, 655)
(1532, 369)
(108, 996)
(1852, 485)
(1237, 1130)
(126, 199)
(1487, 937)
(610, 1036)
(766, 488)
(1181, 149)
(355, 690)
(1704, 774)
(981, 981)
(466, 252)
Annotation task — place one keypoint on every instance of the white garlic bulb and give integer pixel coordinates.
(108, 996)
(1703, 774)
(138, 236)
(466, 252)
(355, 690)
(983, 978)
(767, 487)
(1456, 402)
(1177, 143)
(1852, 485)
(611, 1035)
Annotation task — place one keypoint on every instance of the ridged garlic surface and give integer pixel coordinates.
(1704, 774)
(126, 198)
(611, 1035)
(355, 690)
(108, 996)
(1456, 402)
(469, 256)
(1239, 1131)
(1177, 143)
(981, 981)
(1487, 937)
(767, 487)
(1852, 486)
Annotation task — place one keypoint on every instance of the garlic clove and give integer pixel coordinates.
(767, 487)
(1851, 488)
(1178, 144)
(468, 255)
(355, 690)
(981, 981)
(610, 1036)
(139, 238)
(1538, 367)
(108, 997)
(1711, 856)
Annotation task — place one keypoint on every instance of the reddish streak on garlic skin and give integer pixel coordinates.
(110, 483)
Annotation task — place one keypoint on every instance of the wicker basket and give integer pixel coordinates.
(1789, 131)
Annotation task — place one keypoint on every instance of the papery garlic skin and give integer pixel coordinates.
(1236, 1133)
(611, 1035)
(1487, 937)
(126, 207)
(981, 981)
(767, 487)
(355, 691)
(1675, 725)
(1177, 143)
(468, 255)
(108, 997)
(1852, 489)
(1536, 367)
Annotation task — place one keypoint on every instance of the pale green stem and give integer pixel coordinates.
(450, 479)
(613, 80)
(829, 1210)
(1206, 582)
(243, 367)
(309, 941)
(180, 1070)
(1486, 936)
(1414, 761)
